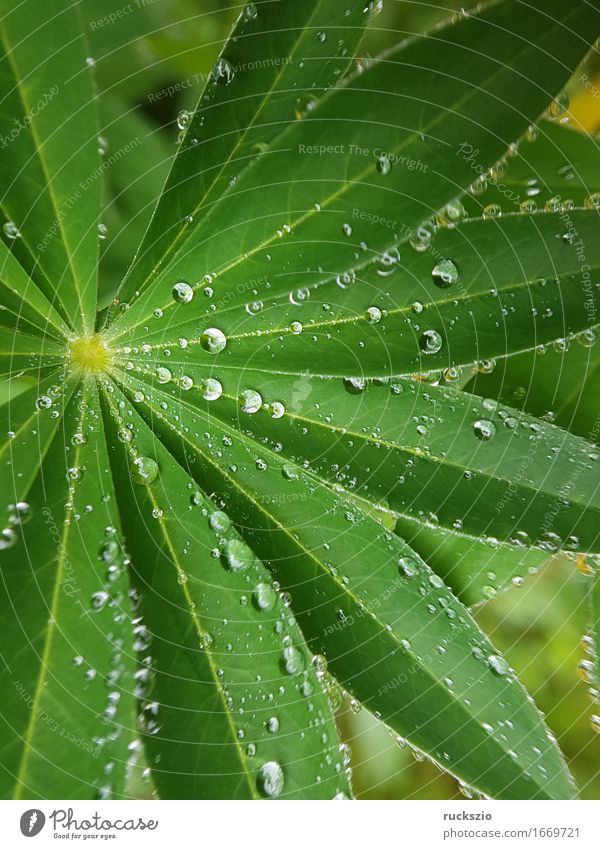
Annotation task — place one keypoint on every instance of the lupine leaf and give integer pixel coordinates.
(392, 633)
(274, 399)
(531, 289)
(50, 183)
(67, 669)
(406, 107)
(245, 104)
(232, 687)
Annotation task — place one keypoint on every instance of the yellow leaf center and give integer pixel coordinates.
(91, 354)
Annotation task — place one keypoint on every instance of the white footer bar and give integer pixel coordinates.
(352, 825)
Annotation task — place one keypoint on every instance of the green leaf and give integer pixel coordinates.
(475, 570)
(595, 641)
(50, 181)
(22, 353)
(66, 657)
(277, 234)
(559, 167)
(392, 634)
(23, 304)
(438, 455)
(239, 693)
(286, 532)
(136, 160)
(265, 74)
(557, 383)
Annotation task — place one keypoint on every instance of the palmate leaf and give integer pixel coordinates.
(559, 166)
(555, 382)
(67, 669)
(50, 180)
(227, 461)
(513, 284)
(265, 73)
(433, 454)
(224, 714)
(475, 570)
(391, 632)
(407, 125)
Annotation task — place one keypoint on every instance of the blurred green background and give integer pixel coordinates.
(146, 49)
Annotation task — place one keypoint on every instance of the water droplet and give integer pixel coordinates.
(384, 165)
(213, 340)
(445, 274)
(44, 402)
(163, 375)
(219, 522)
(250, 401)
(493, 210)
(430, 342)
(387, 262)
(8, 538)
(292, 660)
(264, 596)
(11, 231)
(289, 471)
(276, 409)
(238, 556)
(100, 600)
(373, 315)
(484, 429)
(498, 665)
(272, 725)
(210, 389)
(183, 119)
(223, 71)
(420, 239)
(270, 779)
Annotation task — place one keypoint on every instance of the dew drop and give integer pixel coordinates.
(182, 293)
(498, 665)
(445, 274)
(238, 556)
(430, 342)
(270, 779)
(210, 389)
(484, 429)
(250, 401)
(144, 470)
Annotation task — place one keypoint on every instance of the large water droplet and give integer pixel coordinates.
(210, 389)
(445, 274)
(484, 429)
(213, 340)
(144, 470)
(264, 596)
(430, 342)
(498, 665)
(250, 401)
(270, 779)
(223, 71)
(238, 556)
